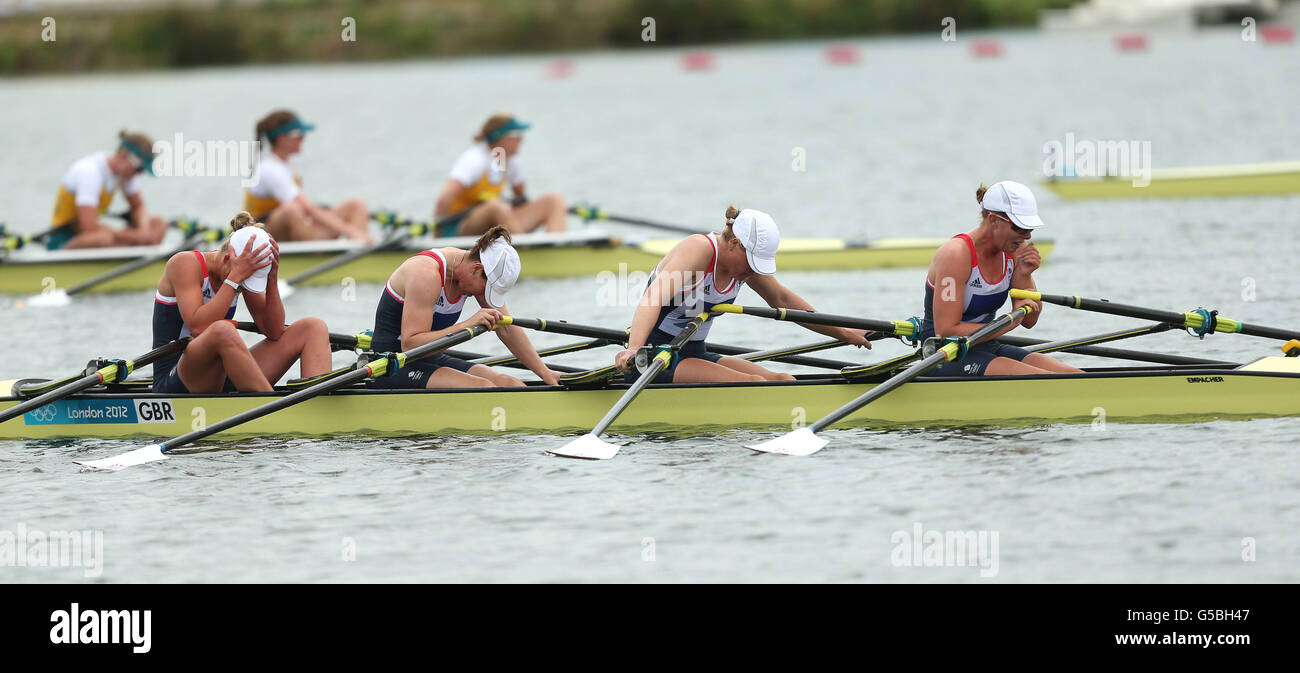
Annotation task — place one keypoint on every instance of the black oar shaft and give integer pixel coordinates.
(359, 374)
(940, 356)
(593, 213)
(817, 318)
(1174, 318)
(656, 366)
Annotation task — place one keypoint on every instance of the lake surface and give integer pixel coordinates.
(893, 146)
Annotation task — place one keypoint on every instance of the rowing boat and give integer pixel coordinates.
(584, 252)
(1282, 177)
(1266, 387)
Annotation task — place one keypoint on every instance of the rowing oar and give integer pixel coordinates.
(805, 442)
(1079, 346)
(789, 356)
(10, 241)
(115, 370)
(402, 231)
(338, 341)
(60, 296)
(589, 212)
(359, 372)
(1200, 322)
(900, 328)
(590, 445)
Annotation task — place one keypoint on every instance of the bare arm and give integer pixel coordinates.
(88, 219)
(951, 269)
(779, 296)
(267, 308)
(185, 275)
(450, 190)
(139, 214)
(520, 346)
(1027, 261)
(417, 312)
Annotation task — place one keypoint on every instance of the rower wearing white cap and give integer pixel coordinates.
(197, 295)
(422, 302)
(702, 271)
(971, 277)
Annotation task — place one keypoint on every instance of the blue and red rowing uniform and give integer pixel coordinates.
(981, 300)
(168, 326)
(388, 332)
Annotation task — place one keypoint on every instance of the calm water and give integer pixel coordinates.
(894, 146)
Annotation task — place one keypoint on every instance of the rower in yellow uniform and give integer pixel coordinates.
(88, 189)
(197, 295)
(705, 270)
(277, 199)
(478, 178)
(971, 277)
(422, 302)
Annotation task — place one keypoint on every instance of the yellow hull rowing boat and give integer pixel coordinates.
(1269, 386)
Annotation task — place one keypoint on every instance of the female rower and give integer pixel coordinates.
(477, 179)
(986, 263)
(197, 295)
(422, 302)
(277, 198)
(88, 189)
(704, 270)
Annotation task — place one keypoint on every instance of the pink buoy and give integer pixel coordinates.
(1276, 33)
(697, 60)
(1131, 42)
(559, 69)
(841, 54)
(987, 48)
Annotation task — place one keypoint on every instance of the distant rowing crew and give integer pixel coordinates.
(469, 203)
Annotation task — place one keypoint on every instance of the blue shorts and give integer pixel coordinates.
(415, 375)
(978, 358)
(170, 382)
(692, 349)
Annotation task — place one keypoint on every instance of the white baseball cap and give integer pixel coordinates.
(760, 238)
(1016, 201)
(501, 266)
(257, 282)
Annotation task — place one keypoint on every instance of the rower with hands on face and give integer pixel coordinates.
(197, 296)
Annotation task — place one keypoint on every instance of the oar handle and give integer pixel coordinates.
(1193, 320)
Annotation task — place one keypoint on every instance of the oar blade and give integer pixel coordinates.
(139, 456)
(587, 447)
(801, 442)
(53, 299)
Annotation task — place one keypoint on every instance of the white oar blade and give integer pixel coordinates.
(588, 446)
(801, 442)
(147, 454)
(285, 288)
(52, 299)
